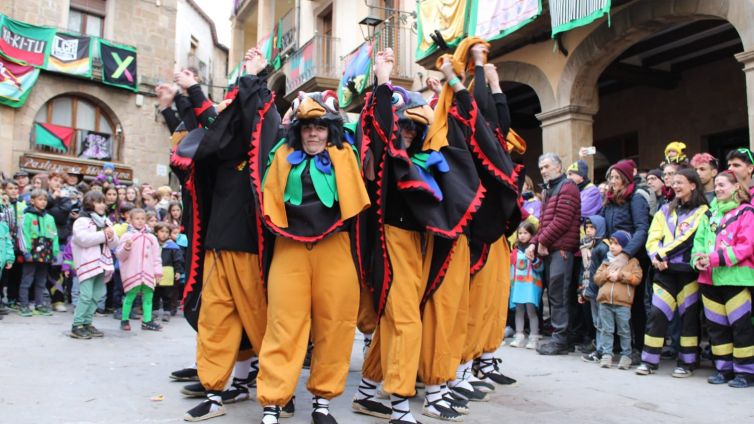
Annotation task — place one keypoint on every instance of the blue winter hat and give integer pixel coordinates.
(108, 165)
(622, 237)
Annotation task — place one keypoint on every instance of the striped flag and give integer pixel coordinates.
(566, 15)
(71, 54)
(54, 136)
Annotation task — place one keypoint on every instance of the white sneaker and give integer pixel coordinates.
(606, 361)
(59, 307)
(532, 343)
(518, 340)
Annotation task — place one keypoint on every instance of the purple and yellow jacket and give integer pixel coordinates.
(671, 235)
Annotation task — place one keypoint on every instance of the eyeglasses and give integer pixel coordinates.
(748, 153)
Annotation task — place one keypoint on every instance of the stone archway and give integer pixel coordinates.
(568, 126)
(531, 75)
(577, 86)
(277, 86)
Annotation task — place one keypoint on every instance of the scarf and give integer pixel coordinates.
(722, 207)
(437, 135)
(99, 220)
(626, 195)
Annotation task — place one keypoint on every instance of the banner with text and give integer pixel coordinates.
(24, 43)
(71, 54)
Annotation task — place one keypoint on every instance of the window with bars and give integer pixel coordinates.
(95, 134)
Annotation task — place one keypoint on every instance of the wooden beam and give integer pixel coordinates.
(713, 56)
(640, 75)
(656, 41)
(694, 46)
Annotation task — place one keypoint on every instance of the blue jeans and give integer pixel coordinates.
(595, 307)
(614, 317)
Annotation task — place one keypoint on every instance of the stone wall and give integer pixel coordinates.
(148, 27)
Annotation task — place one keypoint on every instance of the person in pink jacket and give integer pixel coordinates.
(93, 237)
(723, 253)
(140, 269)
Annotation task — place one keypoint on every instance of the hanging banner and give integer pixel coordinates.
(299, 67)
(447, 16)
(569, 14)
(24, 43)
(234, 75)
(494, 19)
(118, 65)
(358, 66)
(96, 145)
(16, 82)
(54, 136)
(265, 46)
(71, 54)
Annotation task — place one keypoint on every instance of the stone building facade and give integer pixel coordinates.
(657, 71)
(141, 139)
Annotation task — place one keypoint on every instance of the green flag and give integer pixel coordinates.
(25, 43)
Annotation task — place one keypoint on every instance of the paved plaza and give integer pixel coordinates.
(45, 376)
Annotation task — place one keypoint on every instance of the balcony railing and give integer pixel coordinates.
(316, 58)
(402, 40)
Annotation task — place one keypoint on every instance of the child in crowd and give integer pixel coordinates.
(163, 195)
(616, 296)
(7, 256)
(594, 232)
(180, 239)
(93, 239)
(174, 215)
(140, 269)
(152, 220)
(172, 269)
(107, 176)
(149, 199)
(69, 271)
(40, 246)
(526, 292)
(111, 199)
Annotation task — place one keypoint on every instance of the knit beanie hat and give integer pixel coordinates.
(627, 167)
(108, 165)
(622, 237)
(656, 172)
(580, 167)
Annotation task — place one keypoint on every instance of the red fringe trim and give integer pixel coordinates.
(476, 149)
(195, 241)
(419, 185)
(479, 264)
(458, 228)
(199, 110)
(180, 161)
(387, 276)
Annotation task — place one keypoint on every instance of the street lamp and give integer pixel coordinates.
(369, 24)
